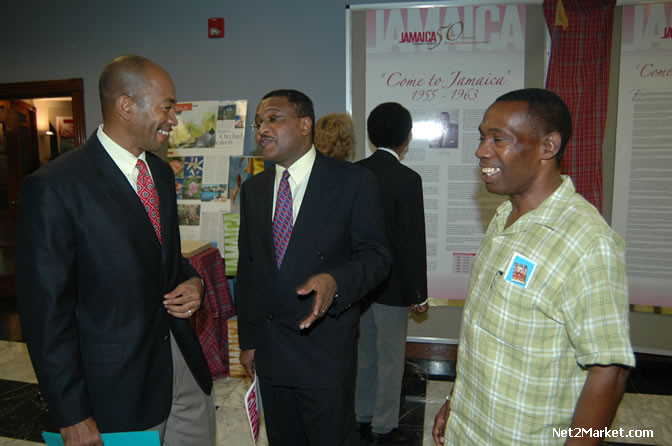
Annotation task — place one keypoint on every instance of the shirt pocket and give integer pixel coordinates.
(507, 314)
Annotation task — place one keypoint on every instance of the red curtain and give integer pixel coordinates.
(579, 73)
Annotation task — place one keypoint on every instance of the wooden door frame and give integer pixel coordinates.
(73, 88)
(7, 281)
(53, 89)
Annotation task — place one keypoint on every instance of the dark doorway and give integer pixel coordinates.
(19, 157)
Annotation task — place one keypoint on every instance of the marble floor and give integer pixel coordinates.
(428, 377)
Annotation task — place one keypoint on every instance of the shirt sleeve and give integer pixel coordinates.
(595, 305)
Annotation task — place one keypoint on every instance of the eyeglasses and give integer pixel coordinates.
(271, 120)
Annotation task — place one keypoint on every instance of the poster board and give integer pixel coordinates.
(642, 209)
(200, 148)
(446, 64)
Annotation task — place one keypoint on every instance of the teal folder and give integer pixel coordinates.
(145, 438)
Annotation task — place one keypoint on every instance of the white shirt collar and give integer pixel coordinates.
(124, 159)
(299, 174)
(385, 149)
(300, 169)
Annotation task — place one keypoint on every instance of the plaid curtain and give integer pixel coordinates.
(578, 72)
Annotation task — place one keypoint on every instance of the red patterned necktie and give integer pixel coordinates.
(283, 221)
(148, 196)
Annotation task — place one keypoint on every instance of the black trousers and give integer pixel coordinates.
(309, 417)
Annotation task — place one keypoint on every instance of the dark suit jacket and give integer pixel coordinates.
(340, 231)
(401, 194)
(91, 276)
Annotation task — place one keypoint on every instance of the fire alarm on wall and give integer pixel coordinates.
(216, 28)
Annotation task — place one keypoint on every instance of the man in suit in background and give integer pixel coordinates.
(104, 292)
(382, 338)
(312, 243)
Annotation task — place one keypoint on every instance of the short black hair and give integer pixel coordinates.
(389, 125)
(547, 112)
(301, 102)
(123, 75)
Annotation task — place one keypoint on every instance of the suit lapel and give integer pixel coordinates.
(321, 190)
(267, 206)
(259, 202)
(117, 188)
(166, 203)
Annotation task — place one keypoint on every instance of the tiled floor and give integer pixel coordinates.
(429, 375)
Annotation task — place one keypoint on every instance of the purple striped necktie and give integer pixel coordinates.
(283, 221)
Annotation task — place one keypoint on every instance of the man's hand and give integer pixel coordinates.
(247, 360)
(440, 420)
(185, 299)
(324, 287)
(84, 433)
(419, 308)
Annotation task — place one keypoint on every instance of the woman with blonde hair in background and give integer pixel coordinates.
(335, 136)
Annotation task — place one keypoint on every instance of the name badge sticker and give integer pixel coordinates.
(520, 270)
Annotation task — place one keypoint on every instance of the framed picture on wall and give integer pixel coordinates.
(65, 129)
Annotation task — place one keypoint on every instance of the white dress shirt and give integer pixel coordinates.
(299, 173)
(124, 159)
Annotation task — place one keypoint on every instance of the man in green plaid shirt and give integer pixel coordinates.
(544, 346)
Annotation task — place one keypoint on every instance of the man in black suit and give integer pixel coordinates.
(312, 243)
(104, 292)
(382, 339)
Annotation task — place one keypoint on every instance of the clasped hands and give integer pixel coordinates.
(185, 299)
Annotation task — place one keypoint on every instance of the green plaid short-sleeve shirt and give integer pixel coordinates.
(547, 297)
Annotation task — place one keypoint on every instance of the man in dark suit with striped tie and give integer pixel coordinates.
(312, 243)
